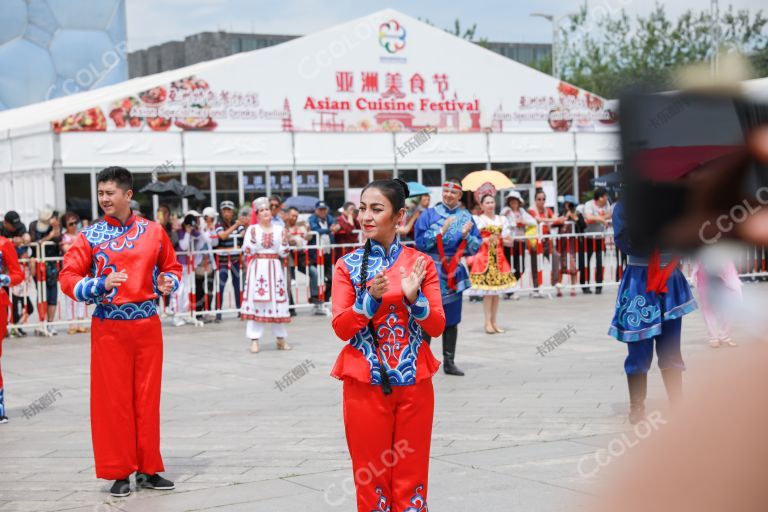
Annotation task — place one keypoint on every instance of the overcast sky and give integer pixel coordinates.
(156, 21)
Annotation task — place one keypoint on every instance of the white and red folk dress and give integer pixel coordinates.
(265, 297)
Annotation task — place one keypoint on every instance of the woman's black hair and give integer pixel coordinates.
(396, 191)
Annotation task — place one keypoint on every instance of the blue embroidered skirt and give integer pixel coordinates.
(639, 313)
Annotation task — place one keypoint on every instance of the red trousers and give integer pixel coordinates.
(126, 370)
(389, 439)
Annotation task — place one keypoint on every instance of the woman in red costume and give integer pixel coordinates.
(384, 296)
(10, 275)
(490, 273)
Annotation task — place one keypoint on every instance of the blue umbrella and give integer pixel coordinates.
(417, 189)
(305, 204)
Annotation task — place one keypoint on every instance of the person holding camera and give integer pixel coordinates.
(196, 265)
(46, 231)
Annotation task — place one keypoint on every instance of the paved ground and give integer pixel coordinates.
(508, 436)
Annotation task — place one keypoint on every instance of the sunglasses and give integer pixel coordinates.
(73, 223)
(274, 205)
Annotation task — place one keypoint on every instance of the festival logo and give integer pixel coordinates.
(392, 36)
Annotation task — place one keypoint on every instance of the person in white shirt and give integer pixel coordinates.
(518, 220)
(597, 214)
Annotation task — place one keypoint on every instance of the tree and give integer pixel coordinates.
(610, 53)
(468, 34)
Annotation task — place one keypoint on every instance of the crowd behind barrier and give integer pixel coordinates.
(544, 264)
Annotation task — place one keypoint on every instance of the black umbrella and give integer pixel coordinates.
(611, 180)
(172, 188)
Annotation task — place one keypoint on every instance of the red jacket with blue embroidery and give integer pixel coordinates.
(10, 270)
(140, 247)
(398, 325)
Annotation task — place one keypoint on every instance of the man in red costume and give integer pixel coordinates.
(122, 264)
(10, 275)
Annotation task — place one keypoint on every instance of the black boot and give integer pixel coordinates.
(449, 351)
(673, 382)
(638, 389)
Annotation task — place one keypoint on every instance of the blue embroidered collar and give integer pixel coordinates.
(448, 210)
(388, 256)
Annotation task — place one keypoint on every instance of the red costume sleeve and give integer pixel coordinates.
(431, 298)
(76, 267)
(351, 312)
(166, 260)
(11, 261)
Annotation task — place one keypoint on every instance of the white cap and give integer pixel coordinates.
(211, 212)
(193, 212)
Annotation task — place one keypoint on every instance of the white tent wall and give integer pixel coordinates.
(533, 147)
(242, 149)
(27, 179)
(439, 148)
(95, 149)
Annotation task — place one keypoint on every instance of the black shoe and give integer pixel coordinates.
(21, 332)
(3, 419)
(449, 367)
(293, 312)
(598, 291)
(121, 488)
(155, 482)
(586, 291)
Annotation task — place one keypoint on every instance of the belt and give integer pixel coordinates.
(127, 311)
(265, 256)
(642, 261)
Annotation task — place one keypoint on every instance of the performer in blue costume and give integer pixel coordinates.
(446, 233)
(653, 297)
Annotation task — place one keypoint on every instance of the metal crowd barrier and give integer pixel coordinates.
(539, 261)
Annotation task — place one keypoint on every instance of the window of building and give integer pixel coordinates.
(280, 183)
(141, 180)
(307, 184)
(431, 178)
(254, 185)
(380, 174)
(202, 182)
(226, 187)
(544, 174)
(586, 175)
(565, 181)
(77, 190)
(519, 173)
(358, 178)
(333, 189)
(408, 174)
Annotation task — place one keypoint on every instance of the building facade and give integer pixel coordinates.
(213, 45)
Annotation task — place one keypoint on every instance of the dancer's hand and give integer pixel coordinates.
(466, 228)
(380, 286)
(410, 283)
(115, 280)
(447, 224)
(165, 284)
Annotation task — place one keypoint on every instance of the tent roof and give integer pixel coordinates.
(476, 61)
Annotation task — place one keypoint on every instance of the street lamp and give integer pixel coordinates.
(555, 24)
